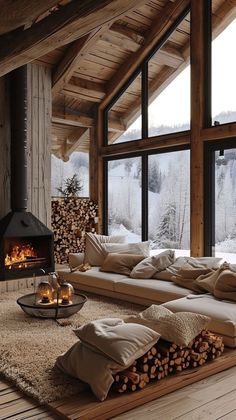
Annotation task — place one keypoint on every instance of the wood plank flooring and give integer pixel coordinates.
(212, 398)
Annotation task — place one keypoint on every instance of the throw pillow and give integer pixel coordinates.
(123, 343)
(93, 252)
(179, 328)
(120, 263)
(75, 259)
(151, 265)
(89, 366)
(139, 248)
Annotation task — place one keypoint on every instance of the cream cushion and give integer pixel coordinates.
(139, 248)
(153, 264)
(222, 314)
(179, 328)
(123, 343)
(201, 262)
(75, 259)
(93, 278)
(155, 291)
(89, 366)
(94, 254)
(120, 263)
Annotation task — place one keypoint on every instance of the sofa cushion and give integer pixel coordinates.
(154, 290)
(120, 263)
(153, 264)
(138, 248)
(179, 328)
(75, 259)
(222, 313)
(201, 262)
(94, 254)
(121, 342)
(93, 277)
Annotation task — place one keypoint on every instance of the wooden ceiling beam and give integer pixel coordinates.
(165, 19)
(66, 117)
(84, 89)
(72, 58)
(62, 27)
(74, 140)
(139, 39)
(17, 13)
(223, 16)
(59, 116)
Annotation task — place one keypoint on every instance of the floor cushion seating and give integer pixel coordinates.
(222, 314)
(149, 291)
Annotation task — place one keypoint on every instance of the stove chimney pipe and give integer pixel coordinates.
(18, 113)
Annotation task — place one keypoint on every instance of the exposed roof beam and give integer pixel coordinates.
(59, 116)
(71, 60)
(165, 19)
(68, 118)
(74, 140)
(69, 23)
(223, 16)
(85, 89)
(22, 12)
(129, 33)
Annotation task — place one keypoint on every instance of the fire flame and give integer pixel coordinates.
(19, 254)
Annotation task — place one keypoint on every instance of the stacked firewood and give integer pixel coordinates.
(166, 358)
(71, 219)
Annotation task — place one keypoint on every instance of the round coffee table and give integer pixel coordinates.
(50, 310)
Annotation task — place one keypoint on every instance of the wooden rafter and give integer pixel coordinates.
(69, 23)
(74, 140)
(165, 19)
(24, 14)
(84, 89)
(71, 60)
(67, 117)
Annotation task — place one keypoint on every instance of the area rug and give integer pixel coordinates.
(30, 346)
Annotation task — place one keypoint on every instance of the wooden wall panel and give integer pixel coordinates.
(39, 142)
(4, 148)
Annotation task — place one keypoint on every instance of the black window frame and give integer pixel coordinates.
(144, 188)
(210, 148)
(143, 71)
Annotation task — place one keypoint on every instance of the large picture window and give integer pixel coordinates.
(221, 174)
(223, 68)
(169, 200)
(163, 179)
(124, 198)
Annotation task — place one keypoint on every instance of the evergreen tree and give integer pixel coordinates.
(166, 231)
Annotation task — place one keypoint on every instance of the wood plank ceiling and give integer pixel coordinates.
(91, 48)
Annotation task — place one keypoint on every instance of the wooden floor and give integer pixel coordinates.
(213, 398)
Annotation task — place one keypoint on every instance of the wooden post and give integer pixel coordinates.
(5, 141)
(96, 168)
(39, 142)
(200, 113)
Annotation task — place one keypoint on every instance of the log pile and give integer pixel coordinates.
(166, 358)
(71, 219)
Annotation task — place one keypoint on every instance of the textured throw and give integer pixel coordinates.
(30, 346)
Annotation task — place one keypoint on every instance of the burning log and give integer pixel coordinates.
(166, 358)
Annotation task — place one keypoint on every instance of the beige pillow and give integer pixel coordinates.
(91, 367)
(149, 266)
(120, 263)
(123, 343)
(75, 259)
(179, 328)
(139, 248)
(94, 254)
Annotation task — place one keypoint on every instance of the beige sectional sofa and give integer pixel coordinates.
(149, 291)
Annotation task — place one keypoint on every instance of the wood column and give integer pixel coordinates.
(5, 140)
(96, 168)
(200, 112)
(39, 142)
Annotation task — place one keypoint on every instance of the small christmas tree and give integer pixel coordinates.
(73, 186)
